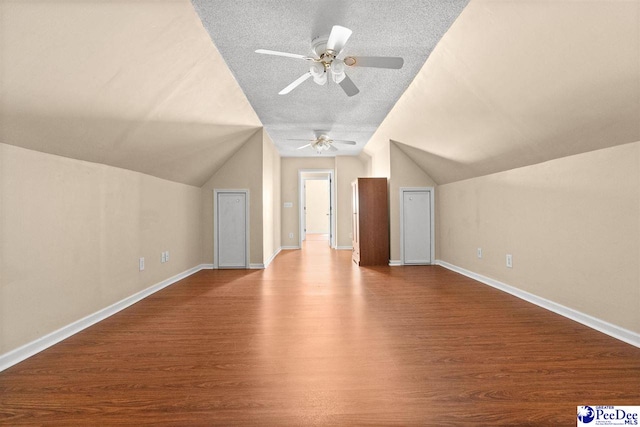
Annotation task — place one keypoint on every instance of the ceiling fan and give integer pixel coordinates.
(326, 61)
(322, 143)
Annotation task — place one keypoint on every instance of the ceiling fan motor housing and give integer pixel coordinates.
(319, 45)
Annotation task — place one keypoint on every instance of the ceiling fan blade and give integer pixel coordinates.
(332, 148)
(304, 146)
(348, 86)
(301, 140)
(295, 84)
(276, 53)
(338, 38)
(340, 141)
(392, 62)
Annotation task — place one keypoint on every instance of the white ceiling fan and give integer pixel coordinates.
(326, 61)
(322, 143)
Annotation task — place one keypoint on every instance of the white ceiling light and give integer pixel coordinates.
(318, 72)
(337, 71)
(326, 50)
(322, 143)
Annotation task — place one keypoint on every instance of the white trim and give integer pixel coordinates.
(288, 248)
(612, 330)
(39, 344)
(344, 248)
(394, 263)
(431, 191)
(332, 203)
(256, 266)
(207, 266)
(272, 257)
(247, 250)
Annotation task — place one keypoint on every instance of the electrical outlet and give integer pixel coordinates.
(479, 252)
(509, 261)
(166, 256)
(291, 235)
(141, 264)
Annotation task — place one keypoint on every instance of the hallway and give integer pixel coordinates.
(315, 340)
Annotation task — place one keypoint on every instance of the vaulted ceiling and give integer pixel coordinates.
(145, 86)
(137, 85)
(402, 28)
(514, 83)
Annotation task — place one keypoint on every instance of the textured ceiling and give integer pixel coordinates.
(140, 84)
(405, 28)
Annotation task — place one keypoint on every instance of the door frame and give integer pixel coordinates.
(301, 202)
(216, 251)
(431, 191)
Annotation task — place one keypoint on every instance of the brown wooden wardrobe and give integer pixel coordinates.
(370, 221)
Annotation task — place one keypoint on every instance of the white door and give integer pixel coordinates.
(317, 206)
(416, 227)
(231, 229)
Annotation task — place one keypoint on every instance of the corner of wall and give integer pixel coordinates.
(244, 170)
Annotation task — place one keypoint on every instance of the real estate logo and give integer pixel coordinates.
(586, 414)
(608, 416)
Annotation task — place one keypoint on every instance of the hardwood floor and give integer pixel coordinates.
(315, 340)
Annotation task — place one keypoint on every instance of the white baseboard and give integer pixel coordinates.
(207, 266)
(256, 266)
(272, 257)
(286, 248)
(394, 263)
(344, 248)
(612, 330)
(36, 346)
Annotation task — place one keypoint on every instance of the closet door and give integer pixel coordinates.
(416, 227)
(232, 229)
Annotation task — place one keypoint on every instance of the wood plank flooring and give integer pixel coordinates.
(315, 340)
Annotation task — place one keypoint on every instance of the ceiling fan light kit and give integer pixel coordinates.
(322, 143)
(326, 61)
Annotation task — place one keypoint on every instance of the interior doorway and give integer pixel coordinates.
(317, 201)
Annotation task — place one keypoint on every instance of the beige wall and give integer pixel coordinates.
(404, 173)
(270, 197)
(571, 224)
(289, 186)
(366, 160)
(348, 168)
(71, 233)
(242, 171)
(380, 153)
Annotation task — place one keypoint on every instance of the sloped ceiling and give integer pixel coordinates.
(137, 85)
(517, 83)
(141, 85)
(406, 28)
